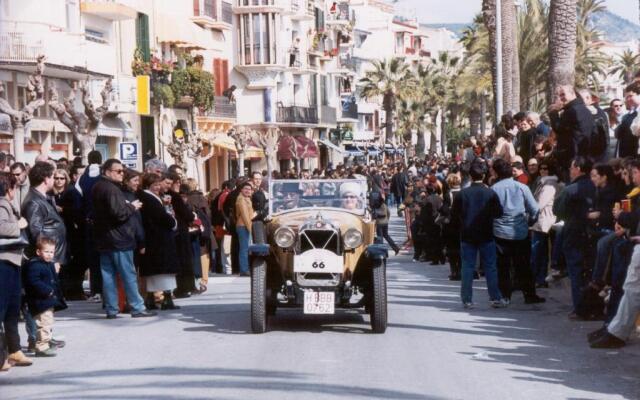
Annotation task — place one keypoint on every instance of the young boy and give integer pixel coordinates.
(43, 293)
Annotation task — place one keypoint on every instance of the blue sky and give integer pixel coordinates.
(444, 11)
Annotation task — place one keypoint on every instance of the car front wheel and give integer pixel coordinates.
(258, 295)
(378, 305)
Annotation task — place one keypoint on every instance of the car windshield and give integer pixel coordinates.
(345, 194)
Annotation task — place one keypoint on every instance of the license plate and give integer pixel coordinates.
(319, 302)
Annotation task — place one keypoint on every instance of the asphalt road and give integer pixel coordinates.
(433, 349)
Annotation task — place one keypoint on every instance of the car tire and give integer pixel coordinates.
(258, 295)
(378, 304)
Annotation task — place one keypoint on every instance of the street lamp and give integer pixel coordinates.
(499, 87)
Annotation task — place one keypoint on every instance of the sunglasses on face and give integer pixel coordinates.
(118, 171)
(617, 105)
(60, 178)
(544, 168)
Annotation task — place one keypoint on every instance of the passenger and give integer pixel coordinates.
(351, 195)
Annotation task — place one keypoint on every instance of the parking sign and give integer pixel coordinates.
(129, 154)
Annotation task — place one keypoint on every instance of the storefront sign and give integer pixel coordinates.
(143, 100)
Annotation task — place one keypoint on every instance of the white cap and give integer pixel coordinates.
(350, 187)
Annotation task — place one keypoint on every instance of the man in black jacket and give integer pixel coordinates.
(572, 123)
(627, 142)
(573, 206)
(476, 208)
(260, 206)
(39, 210)
(115, 239)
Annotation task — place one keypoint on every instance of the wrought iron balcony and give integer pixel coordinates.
(297, 114)
(223, 108)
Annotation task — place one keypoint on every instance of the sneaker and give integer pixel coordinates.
(143, 314)
(50, 352)
(468, 305)
(96, 298)
(608, 341)
(112, 316)
(31, 347)
(58, 344)
(502, 303)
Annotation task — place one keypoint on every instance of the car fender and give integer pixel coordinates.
(377, 252)
(260, 250)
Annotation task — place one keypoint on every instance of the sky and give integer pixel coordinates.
(441, 11)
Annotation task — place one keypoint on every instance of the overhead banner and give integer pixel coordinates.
(143, 98)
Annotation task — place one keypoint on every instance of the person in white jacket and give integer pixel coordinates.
(545, 192)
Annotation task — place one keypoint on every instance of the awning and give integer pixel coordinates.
(224, 142)
(296, 148)
(353, 151)
(330, 145)
(114, 126)
(47, 125)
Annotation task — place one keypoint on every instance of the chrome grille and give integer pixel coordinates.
(319, 239)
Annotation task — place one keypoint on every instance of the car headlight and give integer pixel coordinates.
(352, 238)
(284, 237)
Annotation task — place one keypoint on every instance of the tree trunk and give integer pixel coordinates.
(562, 45)
(508, 53)
(443, 134)
(240, 164)
(474, 122)
(421, 144)
(483, 114)
(515, 86)
(18, 140)
(489, 18)
(388, 124)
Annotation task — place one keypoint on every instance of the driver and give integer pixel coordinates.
(291, 194)
(351, 195)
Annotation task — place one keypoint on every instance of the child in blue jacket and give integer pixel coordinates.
(43, 293)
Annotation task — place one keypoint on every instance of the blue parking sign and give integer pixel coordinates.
(128, 151)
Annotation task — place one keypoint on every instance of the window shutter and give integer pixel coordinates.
(224, 72)
(196, 7)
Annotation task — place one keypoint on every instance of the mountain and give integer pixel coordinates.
(455, 28)
(615, 28)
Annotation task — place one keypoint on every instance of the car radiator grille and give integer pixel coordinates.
(319, 239)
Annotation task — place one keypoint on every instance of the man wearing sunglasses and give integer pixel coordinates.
(115, 239)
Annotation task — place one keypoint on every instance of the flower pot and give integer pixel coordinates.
(184, 102)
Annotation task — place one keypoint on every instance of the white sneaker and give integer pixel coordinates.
(97, 298)
(468, 305)
(502, 303)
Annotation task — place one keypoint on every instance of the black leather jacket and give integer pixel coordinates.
(43, 218)
(111, 214)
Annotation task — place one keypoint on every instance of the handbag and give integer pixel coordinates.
(16, 243)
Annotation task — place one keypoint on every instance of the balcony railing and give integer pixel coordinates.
(340, 14)
(20, 46)
(210, 13)
(297, 114)
(223, 108)
(349, 110)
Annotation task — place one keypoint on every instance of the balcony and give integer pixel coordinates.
(259, 6)
(302, 10)
(349, 112)
(297, 115)
(213, 14)
(69, 55)
(112, 10)
(339, 15)
(223, 109)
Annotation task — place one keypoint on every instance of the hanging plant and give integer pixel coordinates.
(195, 83)
(163, 94)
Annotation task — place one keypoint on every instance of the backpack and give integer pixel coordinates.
(599, 135)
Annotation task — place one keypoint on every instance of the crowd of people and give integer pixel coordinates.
(539, 200)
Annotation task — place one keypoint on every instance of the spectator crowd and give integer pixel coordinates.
(541, 199)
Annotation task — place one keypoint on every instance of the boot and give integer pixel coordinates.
(150, 302)
(167, 303)
(19, 359)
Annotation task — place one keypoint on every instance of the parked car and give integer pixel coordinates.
(320, 253)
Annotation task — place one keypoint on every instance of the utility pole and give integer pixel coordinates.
(499, 87)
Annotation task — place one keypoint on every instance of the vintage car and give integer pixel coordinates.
(320, 253)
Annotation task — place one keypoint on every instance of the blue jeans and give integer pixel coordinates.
(573, 253)
(539, 256)
(620, 259)
(469, 253)
(197, 262)
(243, 248)
(120, 262)
(604, 250)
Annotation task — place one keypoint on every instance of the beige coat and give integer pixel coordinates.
(546, 191)
(244, 212)
(9, 229)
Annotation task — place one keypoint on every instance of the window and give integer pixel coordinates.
(94, 35)
(324, 98)
(257, 48)
(142, 35)
(72, 15)
(399, 41)
(37, 137)
(61, 138)
(368, 122)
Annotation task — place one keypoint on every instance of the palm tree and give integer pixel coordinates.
(590, 61)
(625, 66)
(388, 79)
(562, 45)
(533, 52)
